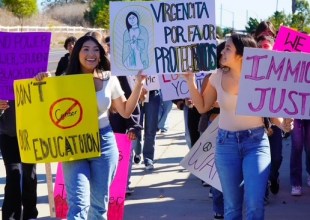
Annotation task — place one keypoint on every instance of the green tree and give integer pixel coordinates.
(21, 8)
(103, 18)
(227, 30)
(219, 31)
(251, 25)
(279, 18)
(301, 17)
(95, 7)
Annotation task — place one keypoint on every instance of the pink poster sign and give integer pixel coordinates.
(60, 194)
(117, 189)
(119, 185)
(22, 56)
(291, 40)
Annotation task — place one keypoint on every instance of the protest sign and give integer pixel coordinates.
(60, 194)
(117, 189)
(174, 86)
(200, 160)
(57, 120)
(151, 82)
(292, 40)
(162, 37)
(22, 56)
(274, 84)
(119, 184)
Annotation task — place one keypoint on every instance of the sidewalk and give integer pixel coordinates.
(169, 192)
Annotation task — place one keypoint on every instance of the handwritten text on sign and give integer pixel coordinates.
(291, 40)
(117, 188)
(162, 37)
(174, 86)
(22, 56)
(200, 160)
(56, 119)
(275, 84)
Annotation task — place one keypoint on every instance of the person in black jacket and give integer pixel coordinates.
(64, 61)
(20, 192)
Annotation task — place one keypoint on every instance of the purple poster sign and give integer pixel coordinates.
(22, 56)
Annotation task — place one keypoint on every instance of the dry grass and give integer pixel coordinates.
(66, 15)
(70, 14)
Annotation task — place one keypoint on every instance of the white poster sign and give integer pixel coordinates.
(162, 37)
(275, 84)
(200, 160)
(174, 86)
(151, 82)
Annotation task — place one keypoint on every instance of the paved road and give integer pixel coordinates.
(172, 193)
(54, 57)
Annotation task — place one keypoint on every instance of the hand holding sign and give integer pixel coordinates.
(140, 78)
(40, 76)
(4, 104)
(189, 77)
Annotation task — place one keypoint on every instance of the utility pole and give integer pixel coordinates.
(221, 21)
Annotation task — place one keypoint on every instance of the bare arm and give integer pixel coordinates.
(126, 107)
(203, 102)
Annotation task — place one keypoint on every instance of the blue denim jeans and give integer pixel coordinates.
(242, 160)
(275, 141)
(300, 140)
(164, 109)
(150, 113)
(88, 181)
(218, 201)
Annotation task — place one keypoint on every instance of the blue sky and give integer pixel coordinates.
(239, 9)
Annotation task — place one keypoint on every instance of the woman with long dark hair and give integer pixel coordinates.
(88, 180)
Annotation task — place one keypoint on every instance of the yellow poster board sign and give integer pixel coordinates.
(57, 119)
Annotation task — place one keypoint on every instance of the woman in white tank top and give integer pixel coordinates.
(242, 155)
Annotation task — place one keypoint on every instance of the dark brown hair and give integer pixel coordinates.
(263, 27)
(75, 64)
(241, 41)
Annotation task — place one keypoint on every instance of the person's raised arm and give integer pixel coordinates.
(203, 102)
(126, 107)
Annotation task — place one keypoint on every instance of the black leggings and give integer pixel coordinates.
(21, 182)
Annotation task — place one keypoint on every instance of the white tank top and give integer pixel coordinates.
(228, 120)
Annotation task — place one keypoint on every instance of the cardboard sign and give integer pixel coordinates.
(162, 37)
(274, 84)
(23, 55)
(200, 160)
(291, 40)
(57, 119)
(174, 86)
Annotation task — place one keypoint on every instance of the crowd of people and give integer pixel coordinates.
(248, 152)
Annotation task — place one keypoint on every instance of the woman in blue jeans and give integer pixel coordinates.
(88, 180)
(242, 155)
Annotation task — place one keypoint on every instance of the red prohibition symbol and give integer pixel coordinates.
(66, 113)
